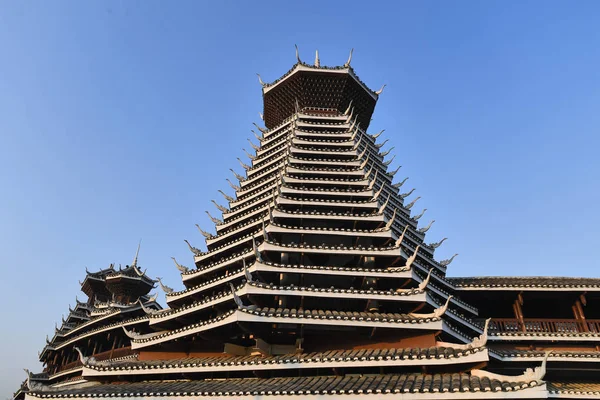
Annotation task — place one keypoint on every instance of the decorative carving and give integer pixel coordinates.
(238, 176)
(391, 174)
(530, 375)
(364, 163)
(146, 309)
(416, 218)
(425, 281)
(384, 205)
(220, 207)
(261, 81)
(34, 386)
(375, 136)
(348, 109)
(257, 136)
(262, 117)
(400, 184)
(194, 250)
(135, 259)
(425, 229)
(204, 233)
(256, 252)
(357, 145)
(350, 116)
(247, 273)
(165, 288)
(390, 222)
(372, 184)
(362, 154)
(245, 166)
(376, 195)
(388, 162)
(183, 269)
(437, 244)
(412, 203)
(233, 186)
(437, 313)
(227, 197)
(347, 64)
(405, 195)
(236, 298)
(385, 153)
(380, 90)
(297, 55)
(262, 130)
(264, 229)
(130, 334)
(85, 360)
(380, 145)
(213, 219)
(410, 260)
(250, 156)
(401, 238)
(255, 147)
(445, 263)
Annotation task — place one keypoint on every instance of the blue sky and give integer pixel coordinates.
(119, 120)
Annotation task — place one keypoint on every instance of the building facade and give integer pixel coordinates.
(319, 283)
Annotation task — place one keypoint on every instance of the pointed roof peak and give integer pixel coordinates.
(137, 253)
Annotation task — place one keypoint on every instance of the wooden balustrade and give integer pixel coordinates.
(547, 325)
(105, 355)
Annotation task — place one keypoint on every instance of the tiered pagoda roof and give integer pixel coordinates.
(318, 281)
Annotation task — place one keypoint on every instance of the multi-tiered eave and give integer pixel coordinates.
(317, 281)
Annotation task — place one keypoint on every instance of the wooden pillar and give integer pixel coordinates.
(112, 350)
(577, 308)
(518, 310)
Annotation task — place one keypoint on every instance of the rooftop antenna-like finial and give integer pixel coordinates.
(261, 81)
(297, 54)
(134, 263)
(380, 90)
(349, 59)
(317, 62)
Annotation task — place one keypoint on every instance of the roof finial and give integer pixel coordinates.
(445, 263)
(437, 244)
(297, 54)
(375, 136)
(399, 184)
(425, 281)
(349, 108)
(412, 258)
(261, 81)
(134, 263)
(317, 62)
(417, 217)
(380, 90)
(165, 288)
(207, 235)
(181, 268)
(349, 59)
(401, 238)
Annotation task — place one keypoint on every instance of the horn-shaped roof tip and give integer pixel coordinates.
(349, 59)
(137, 253)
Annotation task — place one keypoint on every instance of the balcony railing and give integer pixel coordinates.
(540, 326)
(116, 353)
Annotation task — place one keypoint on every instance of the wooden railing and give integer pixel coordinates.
(511, 325)
(105, 355)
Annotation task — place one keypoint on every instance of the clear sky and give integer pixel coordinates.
(119, 120)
